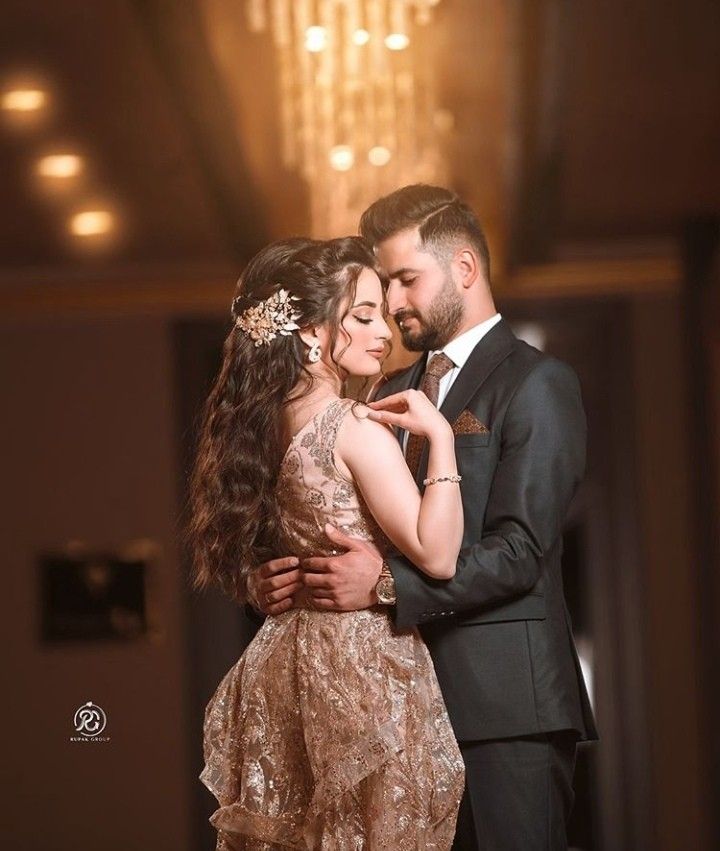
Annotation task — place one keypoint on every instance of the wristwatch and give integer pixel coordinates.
(385, 587)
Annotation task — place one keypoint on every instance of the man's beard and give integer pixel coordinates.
(438, 325)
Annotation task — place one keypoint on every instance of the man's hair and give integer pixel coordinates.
(439, 214)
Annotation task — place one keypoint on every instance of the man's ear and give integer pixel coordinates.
(466, 266)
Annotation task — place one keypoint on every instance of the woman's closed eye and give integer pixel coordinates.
(364, 319)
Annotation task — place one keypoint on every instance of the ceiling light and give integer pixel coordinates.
(24, 100)
(360, 37)
(342, 157)
(316, 39)
(91, 223)
(379, 155)
(61, 166)
(397, 41)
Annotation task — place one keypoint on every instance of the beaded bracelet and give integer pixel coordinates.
(436, 479)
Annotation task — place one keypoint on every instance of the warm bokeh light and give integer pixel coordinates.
(24, 100)
(532, 333)
(360, 37)
(92, 223)
(379, 155)
(444, 120)
(316, 39)
(342, 157)
(396, 41)
(423, 14)
(60, 166)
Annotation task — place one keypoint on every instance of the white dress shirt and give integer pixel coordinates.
(459, 350)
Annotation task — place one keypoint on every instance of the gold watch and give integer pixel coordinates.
(385, 587)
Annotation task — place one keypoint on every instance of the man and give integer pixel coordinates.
(499, 631)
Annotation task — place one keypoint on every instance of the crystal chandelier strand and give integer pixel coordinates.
(307, 89)
(375, 12)
(326, 79)
(288, 112)
(355, 114)
(351, 128)
(398, 36)
(256, 16)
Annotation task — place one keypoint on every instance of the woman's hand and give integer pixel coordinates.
(411, 410)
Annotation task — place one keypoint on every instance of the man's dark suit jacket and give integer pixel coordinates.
(499, 632)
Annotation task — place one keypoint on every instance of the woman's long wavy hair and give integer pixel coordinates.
(233, 522)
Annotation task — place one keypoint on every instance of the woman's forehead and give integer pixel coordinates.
(368, 287)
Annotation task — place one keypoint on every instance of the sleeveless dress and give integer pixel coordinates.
(330, 731)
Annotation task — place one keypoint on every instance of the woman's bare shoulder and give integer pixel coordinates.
(359, 422)
(359, 433)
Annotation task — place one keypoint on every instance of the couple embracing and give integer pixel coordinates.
(414, 684)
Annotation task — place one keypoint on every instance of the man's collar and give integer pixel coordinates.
(460, 348)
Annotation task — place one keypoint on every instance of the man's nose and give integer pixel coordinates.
(395, 298)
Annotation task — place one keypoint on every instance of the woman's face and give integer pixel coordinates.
(361, 341)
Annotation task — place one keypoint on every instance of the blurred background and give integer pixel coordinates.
(149, 148)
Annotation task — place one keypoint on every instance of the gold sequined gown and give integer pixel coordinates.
(330, 731)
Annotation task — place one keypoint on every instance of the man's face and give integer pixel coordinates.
(423, 298)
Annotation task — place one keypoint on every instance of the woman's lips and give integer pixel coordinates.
(376, 353)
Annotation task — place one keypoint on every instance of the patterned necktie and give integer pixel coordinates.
(440, 364)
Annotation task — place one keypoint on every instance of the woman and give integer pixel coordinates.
(330, 731)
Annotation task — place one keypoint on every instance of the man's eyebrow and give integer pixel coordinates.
(365, 304)
(404, 271)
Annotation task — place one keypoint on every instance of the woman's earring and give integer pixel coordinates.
(315, 353)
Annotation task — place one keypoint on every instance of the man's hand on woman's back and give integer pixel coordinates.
(273, 586)
(341, 582)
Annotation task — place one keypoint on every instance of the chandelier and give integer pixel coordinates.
(356, 107)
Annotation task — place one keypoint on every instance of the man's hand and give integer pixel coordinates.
(343, 583)
(271, 587)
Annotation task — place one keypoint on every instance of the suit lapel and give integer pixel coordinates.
(494, 347)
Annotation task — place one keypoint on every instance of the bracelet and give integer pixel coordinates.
(436, 479)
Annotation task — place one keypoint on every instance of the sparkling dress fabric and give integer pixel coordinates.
(330, 731)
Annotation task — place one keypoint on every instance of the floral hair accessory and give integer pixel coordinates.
(263, 321)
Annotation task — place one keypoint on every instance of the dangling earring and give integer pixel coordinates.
(315, 353)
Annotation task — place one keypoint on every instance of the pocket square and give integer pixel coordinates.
(468, 423)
